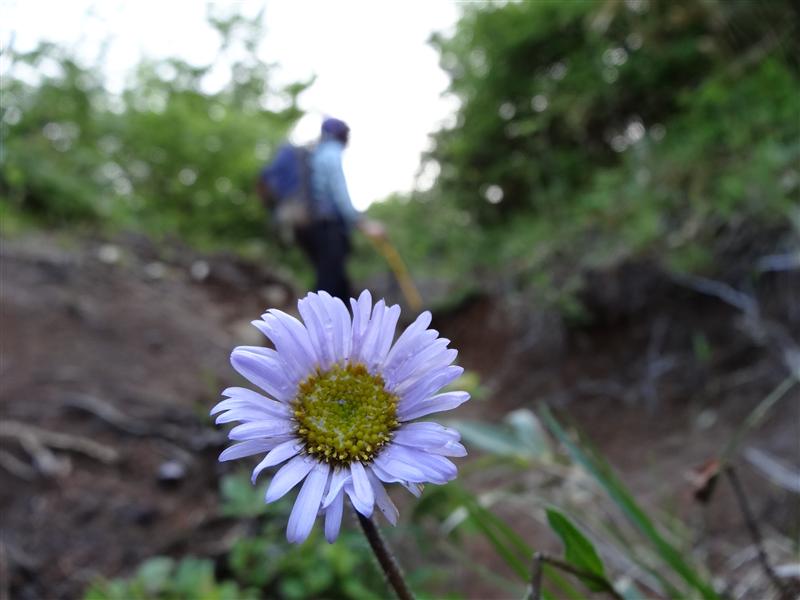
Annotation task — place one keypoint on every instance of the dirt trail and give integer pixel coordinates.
(126, 345)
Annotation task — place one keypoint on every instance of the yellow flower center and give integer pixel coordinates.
(345, 414)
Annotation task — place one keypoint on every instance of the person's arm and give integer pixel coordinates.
(338, 189)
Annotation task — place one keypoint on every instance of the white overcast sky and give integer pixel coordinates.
(373, 66)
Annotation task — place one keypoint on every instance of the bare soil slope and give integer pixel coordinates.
(112, 355)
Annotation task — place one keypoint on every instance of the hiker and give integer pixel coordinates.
(322, 229)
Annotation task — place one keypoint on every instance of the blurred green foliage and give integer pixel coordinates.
(260, 564)
(593, 132)
(587, 133)
(165, 155)
(578, 550)
(164, 578)
(312, 569)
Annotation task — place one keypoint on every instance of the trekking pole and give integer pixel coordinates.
(400, 271)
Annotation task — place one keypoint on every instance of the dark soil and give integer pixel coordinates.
(127, 344)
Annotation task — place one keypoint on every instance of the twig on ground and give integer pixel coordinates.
(778, 262)
(762, 332)
(540, 559)
(721, 290)
(28, 434)
(44, 461)
(5, 586)
(15, 466)
(775, 470)
(656, 364)
(107, 412)
(755, 418)
(755, 533)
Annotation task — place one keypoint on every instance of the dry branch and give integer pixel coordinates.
(34, 439)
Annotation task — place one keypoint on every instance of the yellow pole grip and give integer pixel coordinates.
(398, 267)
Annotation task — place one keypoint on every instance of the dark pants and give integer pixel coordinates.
(327, 244)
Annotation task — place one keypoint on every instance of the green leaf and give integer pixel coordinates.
(529, 432)
(510, 546)
(240, 498)
(603, 474)
(578, 550)
(155, 574)
(521, 436)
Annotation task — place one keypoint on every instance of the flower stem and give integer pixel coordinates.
(385, 557)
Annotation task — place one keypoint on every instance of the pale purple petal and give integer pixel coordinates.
(248, 448)
(425, 388)
(385, 336)
(345, 325)
(333, 517)
(382, 500)
(268, 353)
(339, 477)
(414, 488)
(240, 397)
(437, 403)
(382, 474)
(316, 329)
(392, 470)
(263, 372)
(297, 362)
(450, 449)
(280, 453)
(361, 311)
(424, 372)
(370, 341)
(425, 435)
(362, 488)
(355, 499)
(288, 476)
(405, 346)
(339, 319)
(437, 469)
(421, 358)
(422, 369)
(295, 341)
(397, 459)
(260, 429)
(411, 350)
(306, 507)
(244, 415)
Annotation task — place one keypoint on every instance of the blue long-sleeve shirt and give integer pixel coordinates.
(328, 183)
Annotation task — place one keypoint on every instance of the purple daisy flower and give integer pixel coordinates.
(339, 408)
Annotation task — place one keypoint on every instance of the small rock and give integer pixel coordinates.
(171, 472)
(155, 270)
(142, 515)
(154, 340)
(706, 420)
(109, 254)
(199, 270)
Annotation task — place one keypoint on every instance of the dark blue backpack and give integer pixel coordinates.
(287, 183)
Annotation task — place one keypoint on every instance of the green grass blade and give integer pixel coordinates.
(514, 550)
(624, 500)
(756, 417)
